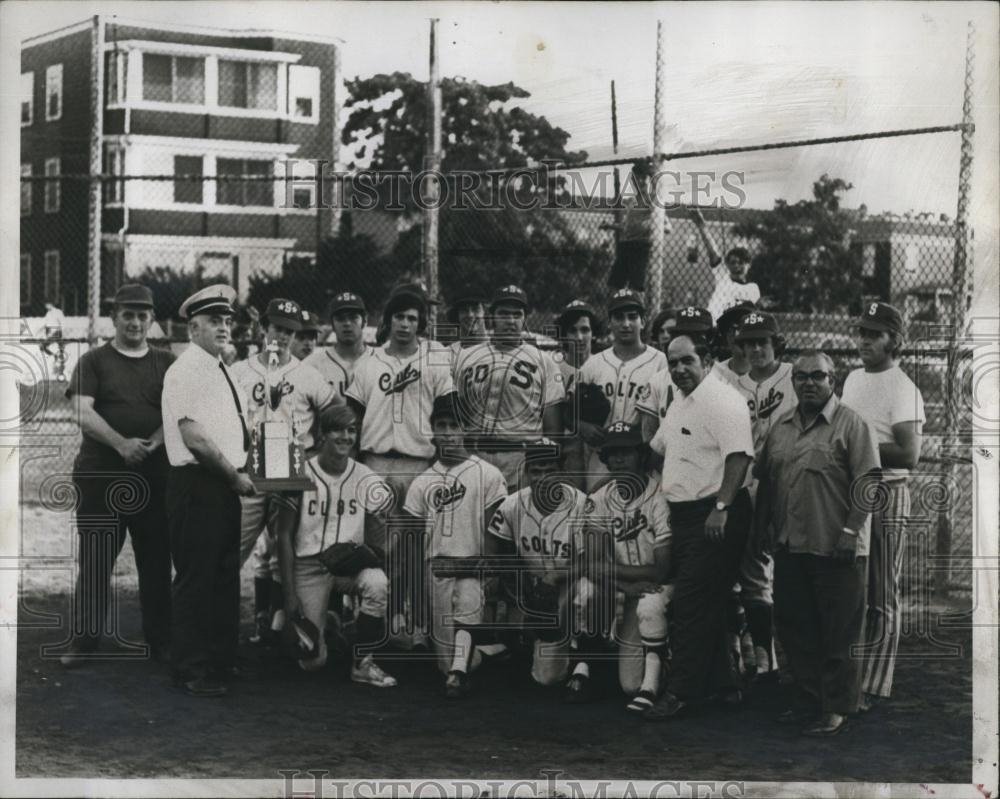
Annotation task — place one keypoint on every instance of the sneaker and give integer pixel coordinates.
(641, 702)
(667, 707)
(369, 673)
(457, 685)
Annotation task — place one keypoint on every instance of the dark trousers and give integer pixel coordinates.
(204, 517)
(819, 611)
(705, 573)
(113, 503)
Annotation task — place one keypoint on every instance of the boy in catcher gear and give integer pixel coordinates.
(631, 514)
(509, 391)
(454, 500)
(542, 525)
(623, 371)
(337, 363)
(345, 508)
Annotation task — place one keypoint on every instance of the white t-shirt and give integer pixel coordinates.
(298, 394)
(625, 383)
(398, 395)
(453, 502)
(884, 399)
(697, 434)
(767, 401)
(728, 292)
(334, 511)
(195, 388)
(638, 526)
(505, 391)
(337, 371)
(548, 540)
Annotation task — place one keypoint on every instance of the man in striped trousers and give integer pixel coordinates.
(892, 405)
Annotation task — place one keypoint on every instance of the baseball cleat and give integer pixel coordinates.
(668, 707)
(369, 673)
(641, 702)
(457, 685)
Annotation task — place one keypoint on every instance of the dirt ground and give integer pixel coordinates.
(121, 718)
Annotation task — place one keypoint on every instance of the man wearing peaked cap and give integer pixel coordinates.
(116, 390)
(206, 433)
(885, 397)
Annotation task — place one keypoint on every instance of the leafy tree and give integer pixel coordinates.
(171, 287)
(805, 262)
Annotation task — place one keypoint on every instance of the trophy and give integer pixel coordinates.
(277, 458)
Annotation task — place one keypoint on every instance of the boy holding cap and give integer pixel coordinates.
(892, 405)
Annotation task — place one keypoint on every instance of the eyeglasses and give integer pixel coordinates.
(816, 377)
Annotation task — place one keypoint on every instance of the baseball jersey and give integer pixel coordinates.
(660, 392)
(334, 511)
(768, 401)
(338, 371)
(298, 393)
(638, 526)
(398, 395)
(547, 539)
(504, 392)
(724, 371)
(884, 399)
(624, 383)
(452, 500)
(728, 292)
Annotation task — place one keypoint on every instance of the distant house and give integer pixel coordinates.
(178, 100)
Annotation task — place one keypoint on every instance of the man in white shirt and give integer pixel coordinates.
(206, 437)
(731, 284)
(888, 400)
(707, 443)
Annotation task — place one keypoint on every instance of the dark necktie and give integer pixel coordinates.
(239, 408)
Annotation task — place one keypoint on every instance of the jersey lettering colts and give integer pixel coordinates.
(547, 538)
(625, 383)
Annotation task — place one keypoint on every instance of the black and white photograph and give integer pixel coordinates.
(499, 399)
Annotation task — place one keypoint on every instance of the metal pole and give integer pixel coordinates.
(959, 281)
(432, 163)
(619, 216)
(337, 185)
(658, 213)
(95, 198)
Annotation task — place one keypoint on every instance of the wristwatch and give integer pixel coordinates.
(722, 507)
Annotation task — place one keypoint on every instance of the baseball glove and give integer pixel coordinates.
(593, 405)
(346, 560)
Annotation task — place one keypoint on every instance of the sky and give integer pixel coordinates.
(736, 74)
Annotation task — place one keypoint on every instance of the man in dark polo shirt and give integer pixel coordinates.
(120, 475)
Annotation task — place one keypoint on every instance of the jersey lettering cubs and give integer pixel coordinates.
(504, 392)
(334, 511)
(768, 401)
(549, 539)
(297, 394)
(398, 394)
(625, 383)
(453, 501)
(637, 524)
(337, 371)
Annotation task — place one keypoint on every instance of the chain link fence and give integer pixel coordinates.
(560, 238)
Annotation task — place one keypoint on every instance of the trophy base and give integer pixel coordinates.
(266, 484)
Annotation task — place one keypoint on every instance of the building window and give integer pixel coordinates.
(300, 184)
(244, 192)
(303, 92)
(52, 276)
(173, 79)
(52, 191)
(115, 77)
(25, 190)
(114, 165)
(53, 92)
(27, 98)
(188, 191)
(246, 84)
(25, 278)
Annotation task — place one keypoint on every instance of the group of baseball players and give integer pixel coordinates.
(674, 501)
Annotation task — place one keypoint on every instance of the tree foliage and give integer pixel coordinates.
(805, 262)
(171, 287)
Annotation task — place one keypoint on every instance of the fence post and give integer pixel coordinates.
(658, 213)
(337, 188)
(95, 198)
(432, 164)
(959, 281)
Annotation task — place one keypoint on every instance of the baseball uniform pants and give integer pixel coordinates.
(455, 601)
(885, 566)
(203, 514)
(644, 626)
(819, 611)
(705, 573)
(111, 505)
(313, 586)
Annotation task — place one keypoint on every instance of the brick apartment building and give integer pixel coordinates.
(178, 100)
